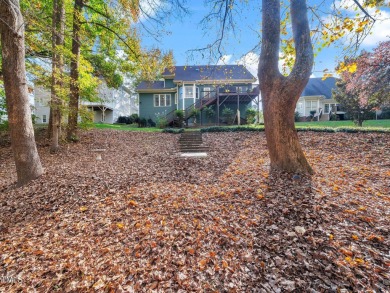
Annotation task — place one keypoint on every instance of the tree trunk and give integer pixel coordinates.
(57, 70)
(27, 162)
(280, 93)
(74, 73)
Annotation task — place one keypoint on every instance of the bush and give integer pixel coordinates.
(133, 118)
(385, 113)
(4, 126)
(209, 112)
(232, 129)
(250, 115)
(179, 114)
(173, 130)
(228, 115)
(142, 122)
(161, 122)
(299, 129)
(150, 123)
(297, 116)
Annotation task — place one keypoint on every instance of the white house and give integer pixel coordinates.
(109, 105)
(317, 96)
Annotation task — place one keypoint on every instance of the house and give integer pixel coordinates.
(196, 87)
(107, 106)
(317, 96)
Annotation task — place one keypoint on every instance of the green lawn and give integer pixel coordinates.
(126, 127)
(348, 123)
(314, 124)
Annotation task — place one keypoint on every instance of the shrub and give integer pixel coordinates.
(142, 122)
(161, 122)
(209, 112)
(297, 116)
(4, 126)
(134, 118)
(173, 130)
(179, 114)
(228, 115)
(250, 115)
(150, 123)
(122, 120)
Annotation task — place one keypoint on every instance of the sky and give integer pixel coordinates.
(186, 34)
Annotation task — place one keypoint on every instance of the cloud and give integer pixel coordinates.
(149, 8)
(381, 28)
(225, 59)
(380, 31)
(250, 61)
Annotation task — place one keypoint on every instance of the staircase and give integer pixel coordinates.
(199, 105)
(191, 142)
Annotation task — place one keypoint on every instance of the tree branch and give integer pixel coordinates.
(116, 34)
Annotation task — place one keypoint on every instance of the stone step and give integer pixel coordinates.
(191, 142)
(195, 150)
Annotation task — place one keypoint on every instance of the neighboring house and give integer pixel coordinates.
(195, 87)
(109, 104)
(317, 96)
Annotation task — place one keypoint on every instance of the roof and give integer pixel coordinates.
(319, 87)
(150, 85)
(209, 73)
(199, 73)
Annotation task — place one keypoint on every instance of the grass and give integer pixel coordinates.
(345, 123)
(369, 124)
(126, 127)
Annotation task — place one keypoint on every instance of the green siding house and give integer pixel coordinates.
(196, 87)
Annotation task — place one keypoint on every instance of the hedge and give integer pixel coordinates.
(299, 129)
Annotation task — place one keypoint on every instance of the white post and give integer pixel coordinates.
(318, 110)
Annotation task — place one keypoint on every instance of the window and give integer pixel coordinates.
(311, 106)
(162, 100)
(206, 91)
(189, 92)
(300, 107)
(330, 108)
(44, 119)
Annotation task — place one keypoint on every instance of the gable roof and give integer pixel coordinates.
(209, 73)
(151, 85)
(319, 87)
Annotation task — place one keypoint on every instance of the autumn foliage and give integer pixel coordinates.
(144, 219)
(365, 82)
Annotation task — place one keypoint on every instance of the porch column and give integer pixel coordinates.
(238, 110)
(318, 109)
(217, 89)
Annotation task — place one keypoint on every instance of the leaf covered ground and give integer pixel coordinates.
(146, 220)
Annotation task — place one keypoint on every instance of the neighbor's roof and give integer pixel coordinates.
(209, 72)
(150, 85)
(319, 87)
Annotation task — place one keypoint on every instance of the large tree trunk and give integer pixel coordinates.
(74, 73)
(58, 27)
(27, 162)
(280, 93)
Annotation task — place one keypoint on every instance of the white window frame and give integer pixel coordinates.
(162, 100)
(313, 106)
(191, 88)
(206, 91)
(44, 119)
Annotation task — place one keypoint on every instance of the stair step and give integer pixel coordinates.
(194, 151)
(191, 142)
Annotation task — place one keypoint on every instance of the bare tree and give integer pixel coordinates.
(27, 162)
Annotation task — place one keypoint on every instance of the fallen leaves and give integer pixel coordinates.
(156, 222)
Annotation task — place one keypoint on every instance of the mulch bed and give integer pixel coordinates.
(144, 219)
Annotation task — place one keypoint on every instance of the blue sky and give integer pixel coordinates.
(183, 35)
